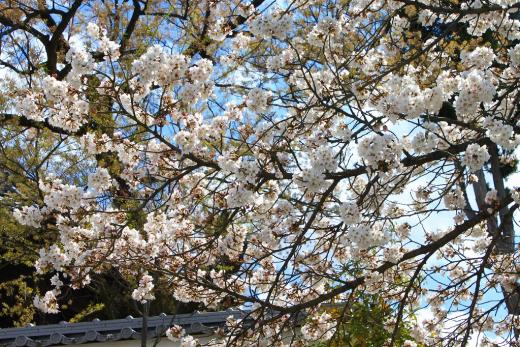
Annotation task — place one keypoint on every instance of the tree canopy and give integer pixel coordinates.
(280, 156)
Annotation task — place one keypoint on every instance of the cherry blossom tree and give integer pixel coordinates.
(281, 156)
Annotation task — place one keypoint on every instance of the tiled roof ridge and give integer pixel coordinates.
(113, 330)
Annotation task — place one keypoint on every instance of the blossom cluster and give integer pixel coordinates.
(258, 100)
(321, 328)
(28, 215)
(48, 303)
(144, 292)
(475, 87)
(366, 236)
(349, 213)
(501, 133)
(475, 157)
(270, 25)
(380, 152)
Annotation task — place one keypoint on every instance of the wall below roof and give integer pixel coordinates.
(164, 342)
